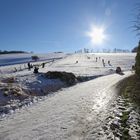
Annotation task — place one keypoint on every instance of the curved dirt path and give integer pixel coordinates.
(72, 113)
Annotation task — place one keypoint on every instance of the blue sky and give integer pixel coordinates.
(61, 25)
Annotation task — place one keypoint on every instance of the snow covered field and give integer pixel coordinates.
(10, 59)
(73, 113)
(87, 64)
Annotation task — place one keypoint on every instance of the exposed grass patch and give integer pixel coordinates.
(68, 78)
(11, 89)
(130, 91)
(130, 88)
(124, 118)
(9, 80)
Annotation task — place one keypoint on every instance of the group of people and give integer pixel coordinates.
(103, 61)
(35, 67)
(98, 58)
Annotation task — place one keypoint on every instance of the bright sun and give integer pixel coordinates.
(97, 35)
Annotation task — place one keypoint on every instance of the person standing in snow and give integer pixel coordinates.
(108, 62)
(103, 62)
(43, 65)
(96, 59)
(29, 66)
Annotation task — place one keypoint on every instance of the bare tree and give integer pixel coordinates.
(137, 20)
(35, 57)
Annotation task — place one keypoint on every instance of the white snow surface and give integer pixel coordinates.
(71, 113)
(89, 67)
(84, 66)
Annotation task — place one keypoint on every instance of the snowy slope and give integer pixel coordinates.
(85, 66)
(36, 84)
(88, 66)
(69, 114)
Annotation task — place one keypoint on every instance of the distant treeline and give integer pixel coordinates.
(11, 52)
(115, 50)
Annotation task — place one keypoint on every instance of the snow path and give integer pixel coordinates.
(71, 113)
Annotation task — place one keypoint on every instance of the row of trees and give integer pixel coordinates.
(10, 52)
(115, 50)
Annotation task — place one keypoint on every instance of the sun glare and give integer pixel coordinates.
(97, 35)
